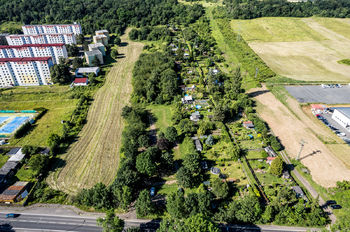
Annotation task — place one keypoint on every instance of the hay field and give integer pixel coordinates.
(95, 156)
(300, 48)
(56, 99)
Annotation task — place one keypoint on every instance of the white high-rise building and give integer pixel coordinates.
(74, 28)
(55, 51)
(41, 39)
(25, 71)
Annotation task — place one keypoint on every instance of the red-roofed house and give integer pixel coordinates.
(270, 159)
(80, 82)
(248, 124)
(318, 109)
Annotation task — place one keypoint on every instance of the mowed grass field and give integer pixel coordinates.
(94, 157)
(56, 99)
(300, 48)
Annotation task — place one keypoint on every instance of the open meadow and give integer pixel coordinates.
(56, 99)
(94, 157)
(300, 48)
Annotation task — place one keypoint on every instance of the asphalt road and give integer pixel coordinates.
(58, 223)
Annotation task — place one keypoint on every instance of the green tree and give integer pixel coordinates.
(111, 223)
(194, 223)
(60, 74)
(176, 205)
(72, 50)
(220, 188)
(114, 53)
(145, 164)
(192, 162)
(30, 150)
(276, 167)
(117, 40)
(143, 140)
(185, 178)
(144, 204)
(171, 134)
(38, 162)
(77, 63)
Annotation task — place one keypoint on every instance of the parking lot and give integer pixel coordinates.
(317, 94)
(335, 127)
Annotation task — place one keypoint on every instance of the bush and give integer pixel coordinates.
(23, 130)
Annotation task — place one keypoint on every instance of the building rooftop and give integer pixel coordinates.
(298, 190)
(35, 25)
(8, 167)
(39, 35)
(96, 45)
(25, 59)
(343, 110)
(18, 156)
(80, 80)
(101, 31)
(100, 36)
(88, 70)
(31, 45)
(93, 53)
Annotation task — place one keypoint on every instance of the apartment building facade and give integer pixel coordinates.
(74, 28)
(55, 51)
(26, 71)
(41, 39)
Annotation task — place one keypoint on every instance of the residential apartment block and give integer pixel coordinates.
(25, 71)
(52, 29)
(41, 39)
(55, 51)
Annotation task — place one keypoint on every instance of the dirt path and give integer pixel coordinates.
(325, 168)
(95, 156)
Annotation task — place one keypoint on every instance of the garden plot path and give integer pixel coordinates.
(325, 168)
(94, 157)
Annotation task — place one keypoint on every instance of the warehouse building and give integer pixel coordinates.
(74, 28)
(342, 116)
(55, 51)
(25, 71)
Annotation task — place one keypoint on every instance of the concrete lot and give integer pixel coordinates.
(317, 94)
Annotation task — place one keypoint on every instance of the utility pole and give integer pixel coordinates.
(302, 143)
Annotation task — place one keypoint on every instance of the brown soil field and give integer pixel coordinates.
(94, 157)
(326, 169)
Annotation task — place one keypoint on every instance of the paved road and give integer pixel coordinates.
(309, 188)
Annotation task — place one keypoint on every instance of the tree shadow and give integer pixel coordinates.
(311, 154)
(6, 227)
(123, 44)
(257, 93)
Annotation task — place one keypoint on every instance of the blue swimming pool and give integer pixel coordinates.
(2, 119)
(13, 125)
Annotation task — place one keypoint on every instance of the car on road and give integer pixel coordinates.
(335, 206)
(152, 191)
(11, 215)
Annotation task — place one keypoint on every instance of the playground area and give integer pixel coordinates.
(11, 121)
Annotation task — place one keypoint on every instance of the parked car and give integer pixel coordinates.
(11, 215)
(153, 191)
(335, 206)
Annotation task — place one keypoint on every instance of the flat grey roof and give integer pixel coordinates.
(343, 110)
(88, 70)
(93, 53)
(96, 45)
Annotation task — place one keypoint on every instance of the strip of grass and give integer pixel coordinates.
(345, 61)
(163, 114)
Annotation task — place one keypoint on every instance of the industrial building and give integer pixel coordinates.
(342, 116)
(25, 71)
(55, 51)
(85, 71)
(74, 28)
(67, 38)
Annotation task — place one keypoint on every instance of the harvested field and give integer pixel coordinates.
(302, 49)
(95, 156)
(326, 169)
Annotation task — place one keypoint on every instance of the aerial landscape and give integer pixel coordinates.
(174, 115)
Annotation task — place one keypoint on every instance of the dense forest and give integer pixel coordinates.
(248, 9)
(112, 15)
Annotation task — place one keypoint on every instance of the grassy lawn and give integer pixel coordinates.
(3, 159)
(25, 174)
(163, 114)
(275, 29)
(56, 99)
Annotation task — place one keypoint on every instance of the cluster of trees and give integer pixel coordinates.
(112, 15)
(248, 9)
(155, 78)
(151, 33)
(60, 73)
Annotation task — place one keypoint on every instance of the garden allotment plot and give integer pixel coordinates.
(11, 122)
